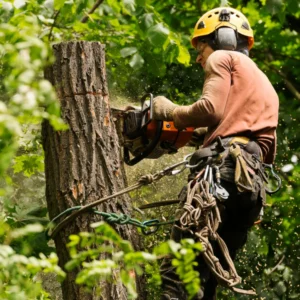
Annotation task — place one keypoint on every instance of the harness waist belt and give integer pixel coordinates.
(222, 144)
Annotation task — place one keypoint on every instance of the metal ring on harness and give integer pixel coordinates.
(191, 166)
(277, 179)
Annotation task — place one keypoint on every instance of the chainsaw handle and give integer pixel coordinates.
(147, 151)
(145, 110)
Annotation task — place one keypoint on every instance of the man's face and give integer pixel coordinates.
(204, 51)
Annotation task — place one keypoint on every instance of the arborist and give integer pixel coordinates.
(239, 111)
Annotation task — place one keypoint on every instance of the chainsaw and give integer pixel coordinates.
(144, 137)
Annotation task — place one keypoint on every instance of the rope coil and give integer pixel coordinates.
(201, 216)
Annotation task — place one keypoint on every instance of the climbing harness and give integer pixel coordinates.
(200, 213)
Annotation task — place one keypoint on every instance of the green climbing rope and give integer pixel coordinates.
(148, 227)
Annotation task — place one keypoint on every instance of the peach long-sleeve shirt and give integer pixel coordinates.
(237, 100)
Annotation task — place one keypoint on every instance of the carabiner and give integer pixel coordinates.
(187, 165)
(169, 170)
(277, 178)
(150, 223)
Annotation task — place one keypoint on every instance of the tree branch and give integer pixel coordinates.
(278, 264)
(290, 86)
(96, 5)
(51, 29)
(199, 6)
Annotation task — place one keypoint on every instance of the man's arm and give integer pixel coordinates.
(209, 109)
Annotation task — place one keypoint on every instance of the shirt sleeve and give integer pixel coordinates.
(209, 109)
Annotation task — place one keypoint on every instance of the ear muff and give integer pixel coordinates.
(226, 38)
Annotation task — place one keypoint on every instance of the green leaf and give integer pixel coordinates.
(115, 5)
(174, 246)
(128, 51)
(280, 288)
(29, 164)
(103, 228)
(146, 21)
(6, 6)
(141, 2)
(58, 4)
(19, 3)
(274, 6)
(263, 248)
(28, 229)
(158, 34)
(74, 240)
(162, 249)
(136, 61)
(72, 264)
(183, 56)
(129, 5)
(286, 274)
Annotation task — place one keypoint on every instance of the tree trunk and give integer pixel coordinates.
(83, 163)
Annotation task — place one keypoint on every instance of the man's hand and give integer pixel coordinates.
(163, 109)
(197, 137)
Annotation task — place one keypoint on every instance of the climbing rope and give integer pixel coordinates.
(148, 227)
(144, 180)
(201, 217)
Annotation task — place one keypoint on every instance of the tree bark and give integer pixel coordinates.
(83, 163)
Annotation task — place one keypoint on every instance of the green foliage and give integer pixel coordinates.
(86, 248)
(82, 248)
(29, 164)
(24, 55)
(18, 271)
(147, 50)
(184, 260)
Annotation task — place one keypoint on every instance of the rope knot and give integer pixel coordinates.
(114, 218)
(188, 207)
(213, 236)
(147, 179)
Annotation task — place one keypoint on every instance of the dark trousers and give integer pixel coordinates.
(238, 213)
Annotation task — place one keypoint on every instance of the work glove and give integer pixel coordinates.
(163, 109)
(197, 137)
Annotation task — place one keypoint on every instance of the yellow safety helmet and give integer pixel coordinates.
(223, 17)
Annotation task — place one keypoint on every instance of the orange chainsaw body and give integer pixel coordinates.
(170, 133)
